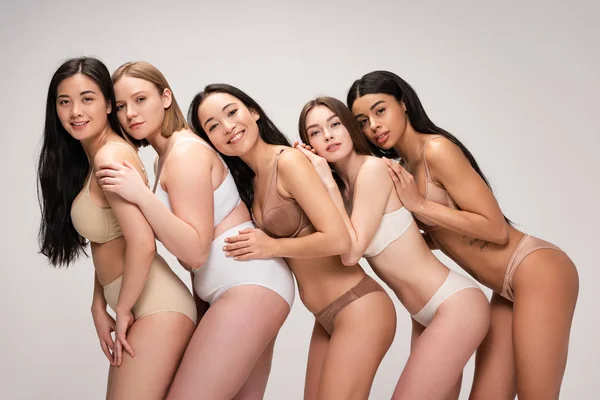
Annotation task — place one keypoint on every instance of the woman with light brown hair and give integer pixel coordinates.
(450, 314)
(195, 206)
(155, 313)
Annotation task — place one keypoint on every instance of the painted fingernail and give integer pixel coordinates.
(227, 253)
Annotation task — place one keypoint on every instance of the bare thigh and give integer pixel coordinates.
(159, 341)
(546, 287)
(494, 377)
(316, 355)
(256, 384)
(442, 350)
(417, 330)
(362, 334)
(229, 341)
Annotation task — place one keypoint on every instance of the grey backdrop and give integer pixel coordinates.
(517, 83)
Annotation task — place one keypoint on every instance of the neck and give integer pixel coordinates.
(159, 142)
(260, 156)
(93, 144)
(410, 145)
(347, 168)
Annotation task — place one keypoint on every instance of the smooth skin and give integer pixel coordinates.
(440, 351)
(341, 366)
(230, 351)
(140, 369)
(525, 351)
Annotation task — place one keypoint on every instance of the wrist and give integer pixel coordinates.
(331, 185)
(98, 306)
(121, 310)
(275, 251)
(144, 197)
(419, 206)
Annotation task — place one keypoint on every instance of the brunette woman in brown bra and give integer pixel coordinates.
(155, 312)
(355, 318)
(535, 284)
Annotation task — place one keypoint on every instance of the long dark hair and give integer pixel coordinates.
(63, 166)
(391, 84)
(359, 141)
(241, 172)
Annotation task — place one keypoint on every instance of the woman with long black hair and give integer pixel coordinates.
(535, 284)
(155, 312)
(354, 317)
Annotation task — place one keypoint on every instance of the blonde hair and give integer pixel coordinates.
(174, 119)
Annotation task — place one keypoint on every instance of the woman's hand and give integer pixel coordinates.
(250, 244)
(105, 325)
(319, 163)
(122, 179)
(124, 321)
(405, 185)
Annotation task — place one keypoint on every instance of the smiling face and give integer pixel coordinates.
(81, 107)
(140, 106)
(327, 135)
(228, 123)
(382, 119)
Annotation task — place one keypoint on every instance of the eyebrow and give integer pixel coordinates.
(133, 95)
(315, 125)
(223, 109)
(376, 104)
(81, 94)
(371, 108)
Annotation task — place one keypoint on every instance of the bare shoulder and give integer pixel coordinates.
(374, 175)
(442, 154)
(192, 147)
(291, 159)
(374, 166)
(116, 152)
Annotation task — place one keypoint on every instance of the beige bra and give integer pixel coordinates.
(97, 224)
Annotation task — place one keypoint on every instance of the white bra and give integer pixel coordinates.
(393, 225)
(226, 197)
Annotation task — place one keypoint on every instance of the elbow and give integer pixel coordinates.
(350, 259)
(143, 246)
(198, 258)
(342, 244)
(500, 236)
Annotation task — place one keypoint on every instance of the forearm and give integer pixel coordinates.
(98, 301)
(138, 259)
(352, 256)
(463, 222)
(314, 245)
(180, 238)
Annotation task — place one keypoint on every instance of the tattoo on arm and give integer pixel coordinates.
(481, 243)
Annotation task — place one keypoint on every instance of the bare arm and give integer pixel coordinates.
(479, 215)
(301, 181)
(186, 231)
(371, 194)
(138, 235)
(98, 301)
